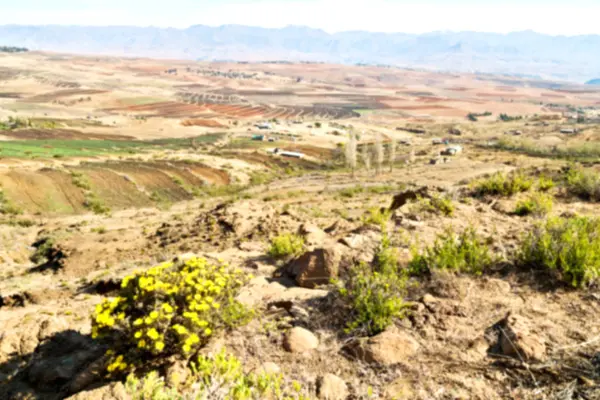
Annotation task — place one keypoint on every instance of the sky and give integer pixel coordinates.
(556, 17)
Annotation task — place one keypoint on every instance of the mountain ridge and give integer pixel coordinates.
(569, 58)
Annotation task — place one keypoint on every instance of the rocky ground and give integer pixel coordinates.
(507, 334)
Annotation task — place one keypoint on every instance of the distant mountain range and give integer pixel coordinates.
(525, 54)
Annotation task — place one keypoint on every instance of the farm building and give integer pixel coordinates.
(452, 150)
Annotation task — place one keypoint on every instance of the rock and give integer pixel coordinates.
(339, 227)
(91, 374)
(390, 347)
(364, 243)
(313, 235)
(316, 267)
(114, 391)
(300, 340)
(409, 195)
(517, 339)
(269, 368)
(258, 290)
(332, 387)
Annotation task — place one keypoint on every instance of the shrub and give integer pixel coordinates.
(537, 204)
(374, 299)
(221, 377)
(436, 205)
(584, 184)
(545, 184)
(570, 246)
(464, 252)
(377, 216)
(500, 184)
(170, 310)
(374, 296)
(286, 245)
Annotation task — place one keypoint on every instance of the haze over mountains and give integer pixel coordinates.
(526, 54)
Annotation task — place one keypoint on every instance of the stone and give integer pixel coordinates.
(390, 347)
(316, 267)
(92, 373)
(300, 340)
(332, 387)
(518, 340)
(313, 235)
(363, 243)
(257, 290)
(114, 391)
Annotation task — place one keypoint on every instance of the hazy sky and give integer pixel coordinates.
(558, 17)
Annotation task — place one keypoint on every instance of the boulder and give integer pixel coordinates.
(316, 267)
(332, 387)
(300, 340)
(390, 347)
(517, 339)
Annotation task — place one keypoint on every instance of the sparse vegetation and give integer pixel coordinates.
(286, 245)
(545, 184)
(374, 295)
(583, 183)
(218, 377)
(500, 184)
(377, 216)
(172, 309)
(464, 252)
(569, 246)
(537, 204)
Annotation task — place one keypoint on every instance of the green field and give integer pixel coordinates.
(56, 148)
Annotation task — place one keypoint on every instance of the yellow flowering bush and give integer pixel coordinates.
(219, 377)
(170, 309)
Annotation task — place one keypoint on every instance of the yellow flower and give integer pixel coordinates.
(207, 331)
(152, 334)
(187, 348)
(153, 315)
(159, 346)
(138, 335)
(142, 344)
(167, 307)
(138, 322)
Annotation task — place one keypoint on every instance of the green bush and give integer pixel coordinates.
(374, 299)
(545, 184)
(377, 216)
(464, 252)
(584, 184)
(172, 309)
(374, 295)
(221, 377)
(437, 204)
(570, 246)
(500, 184)
(286, 245)
(538, 204)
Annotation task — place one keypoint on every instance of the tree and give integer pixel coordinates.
(378, 154)
(393, 146)
(366, 156)
(351, 153)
